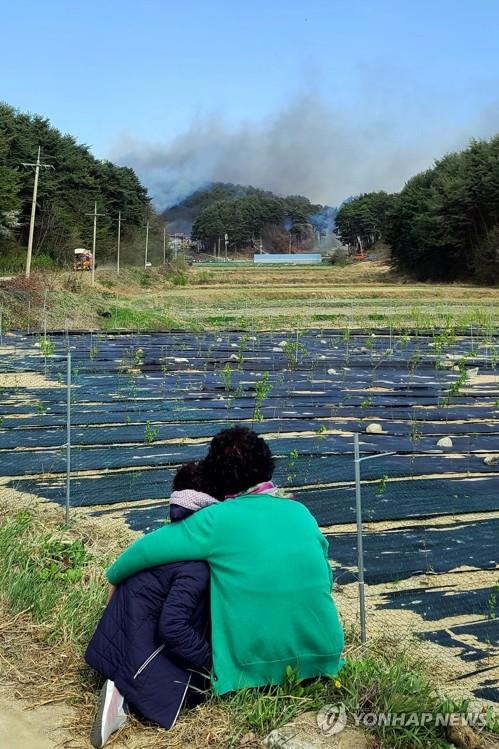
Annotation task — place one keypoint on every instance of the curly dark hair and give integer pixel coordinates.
(237, 459)
(191, 475)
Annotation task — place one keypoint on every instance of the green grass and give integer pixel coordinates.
(51, 576)
(381, 681)
(58, 576)
(129, 318)
(14, 261)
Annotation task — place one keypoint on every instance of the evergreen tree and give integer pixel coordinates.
(443, 225)
(66, 194)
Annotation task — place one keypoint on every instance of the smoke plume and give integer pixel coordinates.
(308, 148)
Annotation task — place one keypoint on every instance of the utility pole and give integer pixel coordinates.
(120, 221)
(219, 248)
(37, 166)
(94, 241)
(226, 243)
(164, 245)
(147, 244)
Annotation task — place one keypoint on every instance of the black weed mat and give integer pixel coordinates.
(449, 601)
(478, 646)
(417, 549)
(331, 506)
(479, 640)
(393, 500)
(144, 403)
(489, 690)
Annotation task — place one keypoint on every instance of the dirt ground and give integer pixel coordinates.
(25, 728)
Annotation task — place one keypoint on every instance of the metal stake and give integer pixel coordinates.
(68, 438)
(360, 546)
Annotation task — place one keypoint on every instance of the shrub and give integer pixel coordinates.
(12, 261)
(339, 256)
(179, 279)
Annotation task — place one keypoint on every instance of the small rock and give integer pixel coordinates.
(304, 733)
(331, 371)
(374, 429)
(462, 735)
(444, 442)
(249, 741)
(491, 460)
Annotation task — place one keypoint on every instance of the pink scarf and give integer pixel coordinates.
(265, 487)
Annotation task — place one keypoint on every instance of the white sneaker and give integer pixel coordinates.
(110, 716)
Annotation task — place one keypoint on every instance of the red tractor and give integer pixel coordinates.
(83, 259)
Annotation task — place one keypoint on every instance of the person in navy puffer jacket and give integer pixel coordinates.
(152, 642)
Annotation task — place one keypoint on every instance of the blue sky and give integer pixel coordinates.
(122, 76)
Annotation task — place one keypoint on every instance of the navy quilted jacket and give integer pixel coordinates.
(152, 639)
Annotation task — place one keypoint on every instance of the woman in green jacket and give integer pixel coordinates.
(271, 603)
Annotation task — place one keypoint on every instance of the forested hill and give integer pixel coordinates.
(66, 192)
(246, 213)
(443, 225)
(180, 217)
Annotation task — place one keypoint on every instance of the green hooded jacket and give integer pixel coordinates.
(271, 603)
